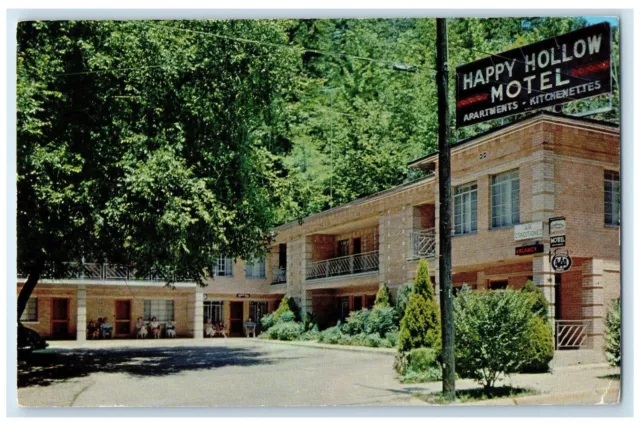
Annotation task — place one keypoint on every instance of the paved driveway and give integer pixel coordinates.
(245, 372)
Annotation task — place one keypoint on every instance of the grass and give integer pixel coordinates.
(477, 394)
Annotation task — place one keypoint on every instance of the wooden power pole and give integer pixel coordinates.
(444, 187)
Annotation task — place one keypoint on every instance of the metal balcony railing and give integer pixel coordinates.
(571, 334)
(100, 272)
(345, 265)
(279, 276)
(422, 243)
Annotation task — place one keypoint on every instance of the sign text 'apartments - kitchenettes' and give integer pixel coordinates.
(568, 67)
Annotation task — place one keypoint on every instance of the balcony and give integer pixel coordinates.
(422, 243)
(345, 265)
(100, 272)
(279, 276)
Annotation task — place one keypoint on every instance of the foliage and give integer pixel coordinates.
(267, 321)
(392, 338)
(289, 330)
(382, 321)
(402, 299)
(356, 322)
(422, 365)
(541, 347)
(287, 304)
(540, 304)
(382, 297)
(420, 326)
(311, 334)
(612, 336)
(331, 335)
(287, 316)
(492, 333)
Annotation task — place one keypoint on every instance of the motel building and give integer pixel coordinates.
(543, 166)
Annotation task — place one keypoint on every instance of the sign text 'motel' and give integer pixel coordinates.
(571, 66)
(557, 232)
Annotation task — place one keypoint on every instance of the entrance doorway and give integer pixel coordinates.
(123, 318)
(59, 318)
(235, 320)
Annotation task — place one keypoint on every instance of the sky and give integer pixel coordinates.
(597, 19)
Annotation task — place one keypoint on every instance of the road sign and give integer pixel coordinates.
(561, 262)
(557, 232)
(560, 69)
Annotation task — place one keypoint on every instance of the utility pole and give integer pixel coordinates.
(444, 187)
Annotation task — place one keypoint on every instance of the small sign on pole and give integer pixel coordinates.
(530, 249)
(561, 262)
(557, 232)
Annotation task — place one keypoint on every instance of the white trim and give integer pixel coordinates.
(114, 283)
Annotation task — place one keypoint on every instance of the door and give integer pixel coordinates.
(357, 303)
(357, 246)
(235, 326)
(282, 257)
(59, 318)
(343, 248)
(123, 318)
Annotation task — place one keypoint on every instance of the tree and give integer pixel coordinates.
(420, 326)
(149, 144)
(612, 323)
(540, 304)
(382, 297)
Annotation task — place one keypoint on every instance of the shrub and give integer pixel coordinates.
(382, 297)
(331, 335)
(285, 331)
(540, 304)
(356, 322)
(312, 334)
(392, 338)
(267, 322)
(422, 366)
(492, 333)
(373, 340)
(382, 321)
(309, 321)
(420, 326)
(287, 316)
(287, 304)
(540, 350)
(401, 362)
(612, 335)
(402, 299)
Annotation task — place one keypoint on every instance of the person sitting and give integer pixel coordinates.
(106, 329)
(155, 327)
(209, 331)
(220, 330)
(170, 327)
(141, 328)
(92, 330)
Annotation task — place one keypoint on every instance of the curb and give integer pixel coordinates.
(546, 399)
(377, 351)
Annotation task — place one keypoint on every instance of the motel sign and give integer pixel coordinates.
(572, 66)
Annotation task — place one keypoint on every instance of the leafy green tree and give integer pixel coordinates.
(150, 144)
(612, 336)
(540, 350)
(382, 297)
(420, 326)
(493, 331)
(540, 304)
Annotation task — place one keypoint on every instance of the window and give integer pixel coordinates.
(256, 269)
(505, 199)
(224, 267)
(498, 285)
(257, 310)
(30, 313)
(465, 209)
(159, 308)
(214, 310)
(343, 248)
(611, 198)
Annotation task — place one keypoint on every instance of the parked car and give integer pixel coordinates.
(29, 340)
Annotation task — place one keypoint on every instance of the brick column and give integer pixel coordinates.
(196, 305)
(544, 278)
(81, 309)
(593, 309)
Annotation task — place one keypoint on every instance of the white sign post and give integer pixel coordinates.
(528, 231)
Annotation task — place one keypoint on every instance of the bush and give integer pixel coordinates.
(285, 331)
(402, 299)
(492, 333)
(287, 316)
(373, 340)
(287, 304)
(540, 304)
(541, 347)
(312, 334)
(612, 334)
(392, 338)
(420, 326)
(382, 321)
(382, 297)
(331, 335)
(356, 322)
(422, 366)
(267, 322)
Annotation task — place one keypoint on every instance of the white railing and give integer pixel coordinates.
(99, 272)
(422, 243)
(345, 265)
(571, 334)
(279, 276)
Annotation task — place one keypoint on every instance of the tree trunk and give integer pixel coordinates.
(27, 288)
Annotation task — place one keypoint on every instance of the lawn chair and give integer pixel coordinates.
(250, 328)
(220, 330)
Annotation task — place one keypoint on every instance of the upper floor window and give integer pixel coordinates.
(256, 269)
(611, 197)
(30, 313)
(465, 209)
(505, 199)
(224, 267)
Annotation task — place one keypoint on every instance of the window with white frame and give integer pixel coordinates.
(611, 198)
(256, 269)
(160, 308)
(505, 199)
(213, 310)
(465, 209)
(224, 267)
(30, 313)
